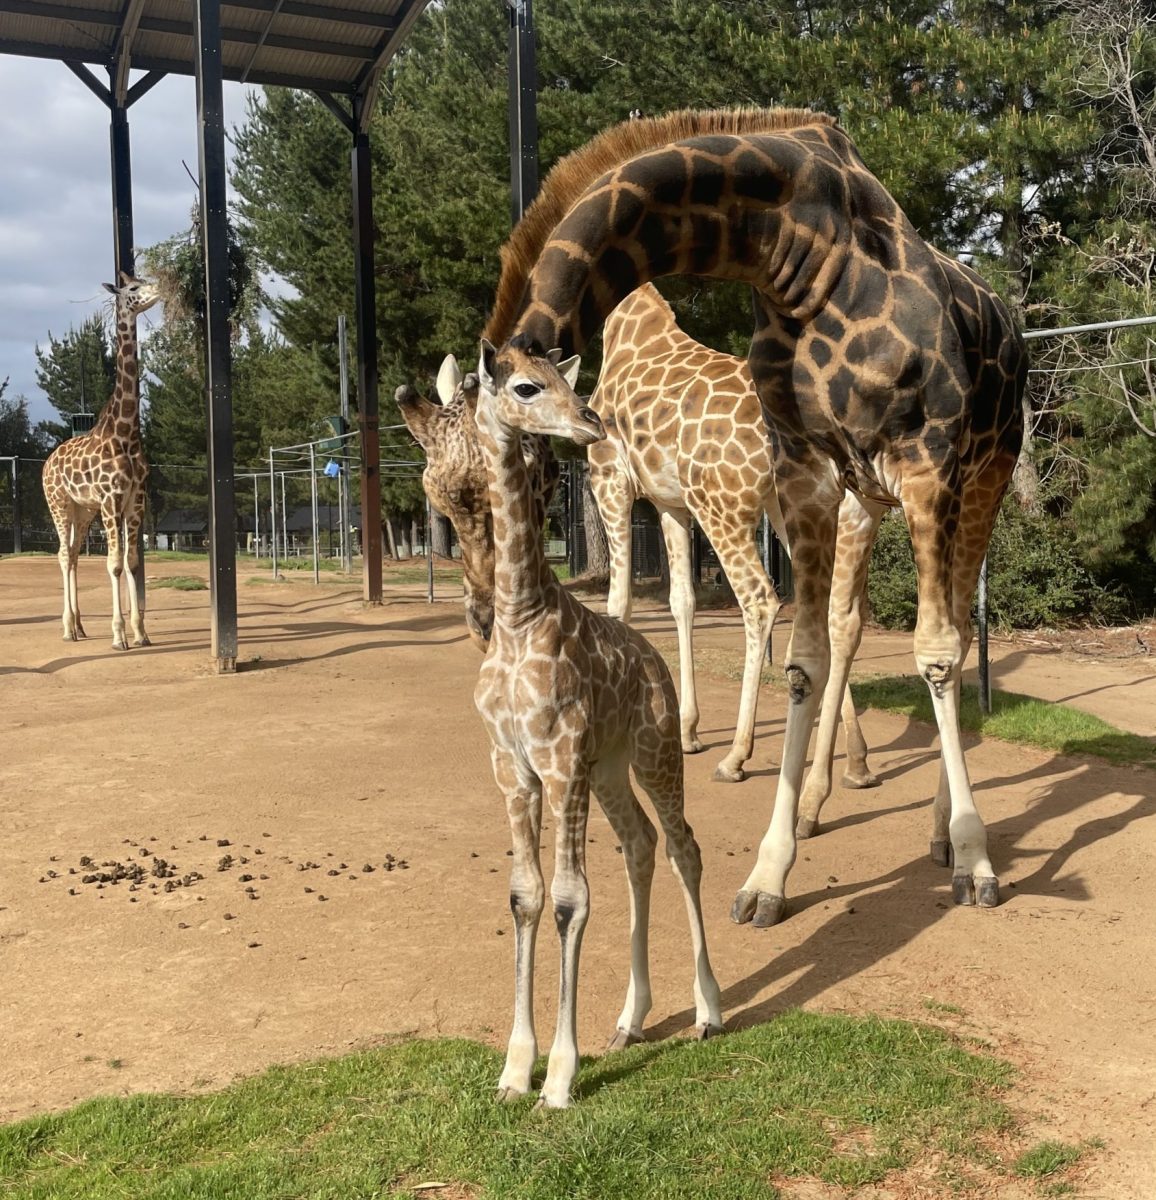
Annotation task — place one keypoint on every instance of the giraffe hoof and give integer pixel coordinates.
(143, 642)
(761, 909)
(987, 892)
(963, 890)
(706, 1031)
(725, 774)
(860, 779)
(806, 827)
(120, 645)
(623, 1038)
(691, 746)
(941, 853)
(505, 1095)
(544, 1102)
(71, 637)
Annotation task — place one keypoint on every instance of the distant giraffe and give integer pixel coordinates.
(882, 366)
(103, 472)
(572, 701)
(685, 430)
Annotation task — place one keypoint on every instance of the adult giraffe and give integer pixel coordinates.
(882, 367)
(103, 473)
(685, 429)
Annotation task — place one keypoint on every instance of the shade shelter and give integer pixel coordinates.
(337, 49)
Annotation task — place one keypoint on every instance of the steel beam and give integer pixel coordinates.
(365, 317)
(523, 103)
(218, 365)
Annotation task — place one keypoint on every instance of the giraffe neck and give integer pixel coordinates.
(521, 574)
(122, 413)
(775, 212)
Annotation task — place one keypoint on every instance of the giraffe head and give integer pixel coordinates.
(133, 296)
(532, 390)
(455, 482)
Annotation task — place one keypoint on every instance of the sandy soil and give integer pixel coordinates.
(348, 740)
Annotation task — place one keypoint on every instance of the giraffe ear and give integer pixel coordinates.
(449, 376)
(555, 355)
(109, 287)
(487, 365)
(570, 368)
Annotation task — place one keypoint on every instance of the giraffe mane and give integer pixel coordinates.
(572, 175)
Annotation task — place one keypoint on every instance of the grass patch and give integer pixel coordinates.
(1014, 718)
(845, 1100)
(1048, 1158)
(939, 1007)
(182, 583)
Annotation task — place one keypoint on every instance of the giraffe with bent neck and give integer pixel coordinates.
(685, 430)
(572, 701)
(882, 367)
(103, 473)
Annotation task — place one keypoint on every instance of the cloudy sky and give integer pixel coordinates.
(56, 205)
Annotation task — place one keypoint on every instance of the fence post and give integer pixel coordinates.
(256, 521)
(273, 511)
(429, 549)
(284, 520)
(16, 539)
(313, 491)
(981, 622)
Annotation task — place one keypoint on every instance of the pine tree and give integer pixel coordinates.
(77, 372)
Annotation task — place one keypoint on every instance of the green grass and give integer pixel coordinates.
(1014, 718)
(183, 583)
(846, 1100)
(1048, 1158)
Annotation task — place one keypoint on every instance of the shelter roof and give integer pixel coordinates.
(323, 45)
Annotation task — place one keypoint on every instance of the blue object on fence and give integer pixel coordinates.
(332, 469)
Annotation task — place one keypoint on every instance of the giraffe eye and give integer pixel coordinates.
(527, 390)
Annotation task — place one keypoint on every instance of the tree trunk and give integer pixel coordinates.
(597, 546)
(390, 543)
(442, 546)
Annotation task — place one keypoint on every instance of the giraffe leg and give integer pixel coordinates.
(136, 591)
(527, 894)
(615, 499)
(113, 532)
(569, 805)
(858, 521)
(80, 525)
(811, 497)
(610, 782)
(676, 533)
(932, 509)
(739, 555)
(660, 775)
(64, 556)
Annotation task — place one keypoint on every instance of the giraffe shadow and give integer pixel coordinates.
(873, 919)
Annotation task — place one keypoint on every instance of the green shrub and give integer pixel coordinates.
(1035, 575)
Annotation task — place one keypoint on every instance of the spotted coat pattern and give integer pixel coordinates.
(103, 473)
(881, 366)
(572, 701)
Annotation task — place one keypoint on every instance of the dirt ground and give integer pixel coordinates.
(348, 741)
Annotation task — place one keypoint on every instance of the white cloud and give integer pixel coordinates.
(56, 204)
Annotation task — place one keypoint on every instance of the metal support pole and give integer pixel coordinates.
(523, 102)
(696, 553)
(256, 522)
(429, 563)
(16, 536)
(218, 364)
(284, 520)
(273, 512)
(981, 621)
(313, 501)
(346, 497)
(365, 316)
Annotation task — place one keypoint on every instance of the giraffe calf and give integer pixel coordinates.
(572, 701)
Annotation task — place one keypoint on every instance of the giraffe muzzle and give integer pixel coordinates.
(588, 427)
